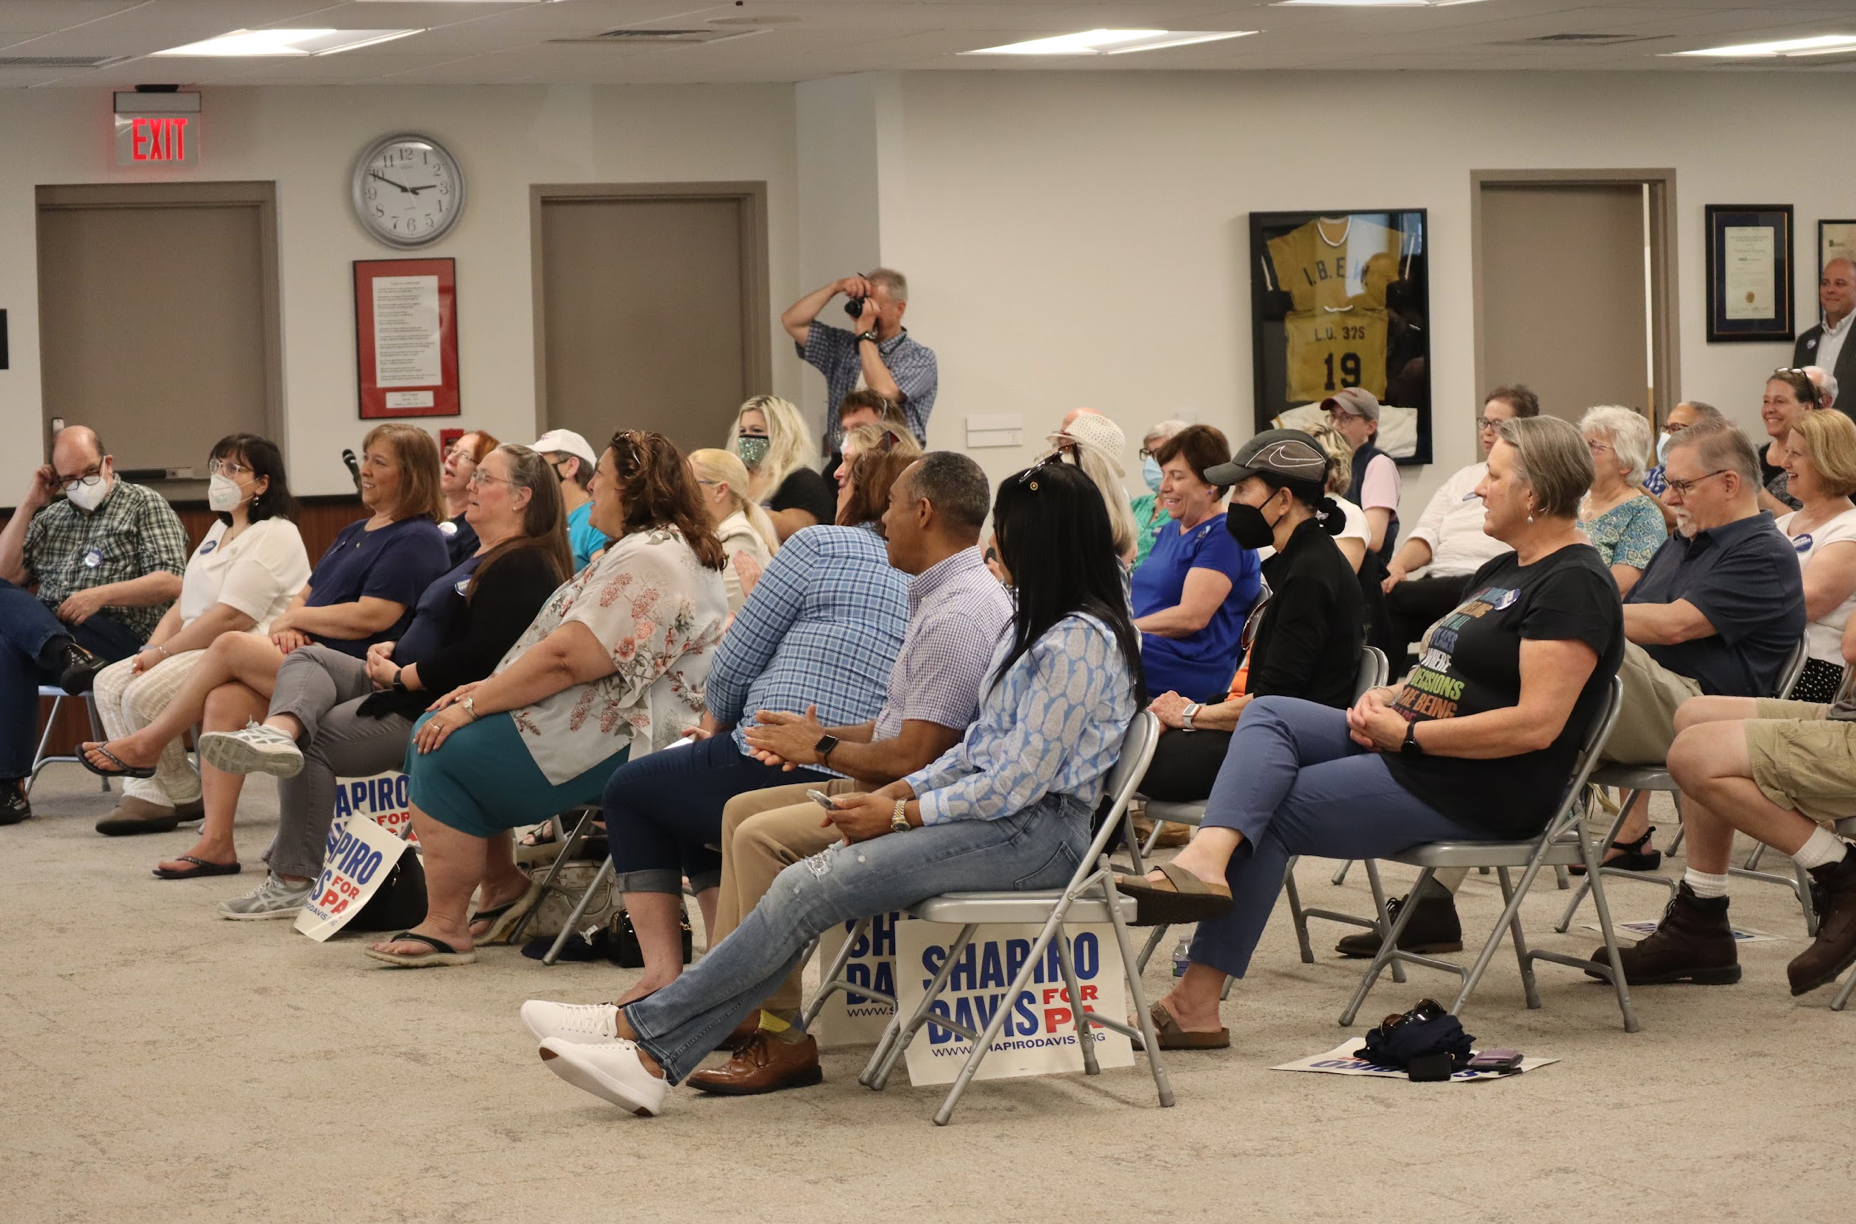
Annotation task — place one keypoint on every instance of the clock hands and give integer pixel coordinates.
(389, 182)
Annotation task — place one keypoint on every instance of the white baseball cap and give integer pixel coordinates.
(566, 442)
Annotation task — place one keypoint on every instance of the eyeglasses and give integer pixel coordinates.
(1674, 427)
(1685, 487)
(226, 467)
(1597, 447)
(1809, 391)
(480, 478)
(701, 481)
(90, 478)
(1483, 422)
(1026, 477)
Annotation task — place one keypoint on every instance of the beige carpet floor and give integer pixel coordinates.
(163, 1065)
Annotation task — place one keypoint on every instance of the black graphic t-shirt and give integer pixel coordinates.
(1470, 662)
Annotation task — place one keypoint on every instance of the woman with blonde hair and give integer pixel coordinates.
(859, 439)
(1819, 456)
(749, 538)
(1357, 533)
(774, 444)
(1093, 443)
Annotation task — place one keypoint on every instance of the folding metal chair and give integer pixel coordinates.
(1090, 896)
(1563, 842)
(1635, 780)
(39, 758)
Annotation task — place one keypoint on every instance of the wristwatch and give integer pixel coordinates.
(825, 746)
(870, 335)
(899, 823)
(1411, 749)
(398, 685)
(470, 707)
(1186, 716)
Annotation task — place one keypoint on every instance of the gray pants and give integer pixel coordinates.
(323, 689)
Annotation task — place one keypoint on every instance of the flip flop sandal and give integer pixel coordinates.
(201, 867)
(1172, 1037)
(1634, 858)
(442, 953)
(1181, 899)
(126, 770)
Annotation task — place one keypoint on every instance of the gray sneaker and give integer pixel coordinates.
(271, 899)
(255, 749)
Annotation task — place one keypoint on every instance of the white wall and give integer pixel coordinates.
(306, 139)
(1081, 238)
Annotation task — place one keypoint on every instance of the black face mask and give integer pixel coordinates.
(1248, 526)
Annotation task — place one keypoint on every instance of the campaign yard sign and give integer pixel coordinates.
(373, 821)
(1039, 1035)
(848, 1018)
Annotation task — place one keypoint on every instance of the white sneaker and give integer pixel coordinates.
(255, 749)
(587, 1022)
(610, 1070)
(271, 899)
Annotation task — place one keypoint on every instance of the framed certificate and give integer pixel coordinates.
(1342, 299)
(1749, 272)
(406, 337)
(1835, 240)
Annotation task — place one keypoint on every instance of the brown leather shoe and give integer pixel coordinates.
(138, 816)
(1693, 943)
(764, 1064)
(1835, 947)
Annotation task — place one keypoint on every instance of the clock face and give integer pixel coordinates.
(407, 190)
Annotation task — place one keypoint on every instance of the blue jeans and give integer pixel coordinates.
(1295, 783)
(1036, 848)
(26, 627)
(664, 812)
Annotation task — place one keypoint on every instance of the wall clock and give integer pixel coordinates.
(408, 190)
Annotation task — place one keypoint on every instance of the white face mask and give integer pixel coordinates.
(1662, 448)
(223, 493)
(87, 497)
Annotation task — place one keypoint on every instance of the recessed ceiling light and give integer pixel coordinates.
(287, 42)
(1109, 42)
(1822, 44)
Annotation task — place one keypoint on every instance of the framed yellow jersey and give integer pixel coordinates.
(1335, 262)
(1331, 349)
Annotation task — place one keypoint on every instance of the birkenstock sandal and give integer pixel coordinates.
(442, 953)
(201, 867)
(1180, 899)
(125, 771)
(1172, 1037)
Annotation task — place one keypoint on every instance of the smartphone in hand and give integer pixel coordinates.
(822, 799)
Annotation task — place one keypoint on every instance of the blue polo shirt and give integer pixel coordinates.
(1746, 580)
(1195, 667)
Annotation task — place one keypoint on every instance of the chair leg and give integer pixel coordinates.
(1154, 937)
(1611, 835)
(573, 920)
(906, 1029)
(38, 755)
(1843, 996)
(1510, 919)
(1137, 995)
(1752, 859)
(828, 983)
(581, 828)
(1084, 1037)
(1295, 912)
(96, 731)
(1528, 985)
(1053, 926)
(1340, 874)
(1388, 942)
(1593, 856)
(1379, 912)
(1562, 879)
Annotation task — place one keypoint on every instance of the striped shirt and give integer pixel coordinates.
(834, 352)
(957, 610)
(1049, 732)
(823, 627)
(134, 533)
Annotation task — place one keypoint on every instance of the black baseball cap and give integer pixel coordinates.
(1283, 454)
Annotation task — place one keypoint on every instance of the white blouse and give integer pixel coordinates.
(258, 573)
(748, 555)
(1824, 636)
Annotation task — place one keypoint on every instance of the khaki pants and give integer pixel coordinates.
(763, 833)
(1646, 724)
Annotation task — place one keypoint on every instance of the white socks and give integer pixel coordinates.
(1705, 885)
(1820, 849)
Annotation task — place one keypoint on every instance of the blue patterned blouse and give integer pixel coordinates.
(1628, 534)
(1052, 727)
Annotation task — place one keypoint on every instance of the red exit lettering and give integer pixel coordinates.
(159, 140)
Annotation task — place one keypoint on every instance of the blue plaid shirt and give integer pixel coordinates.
(834, 352)
(823, 627)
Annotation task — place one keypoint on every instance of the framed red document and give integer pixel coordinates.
(406, 337)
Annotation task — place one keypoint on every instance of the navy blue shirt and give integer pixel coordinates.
(395, 563)
(1745, 578)
(433, 614)
(461, 541)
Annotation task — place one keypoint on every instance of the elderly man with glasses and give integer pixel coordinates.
(107, 560)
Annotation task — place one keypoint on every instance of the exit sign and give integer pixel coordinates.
(155, 129)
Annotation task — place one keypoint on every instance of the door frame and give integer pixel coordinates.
(1665, 331)
(237, 194)
(757, 345)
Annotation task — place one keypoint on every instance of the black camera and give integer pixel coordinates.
(854, 307)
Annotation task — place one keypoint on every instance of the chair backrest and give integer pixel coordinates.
(1137, 752)
(1587, 760)
(1794, 667)
(1373, 670)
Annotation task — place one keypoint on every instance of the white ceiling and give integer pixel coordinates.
(508, 43)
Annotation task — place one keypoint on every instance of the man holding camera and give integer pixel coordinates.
(878, 350)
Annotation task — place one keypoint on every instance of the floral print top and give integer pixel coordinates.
(659, 613)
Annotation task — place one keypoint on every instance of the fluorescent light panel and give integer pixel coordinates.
(287, 42)
(1109, 42)
(1822, 44)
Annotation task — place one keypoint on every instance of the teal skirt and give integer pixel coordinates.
(482, 780)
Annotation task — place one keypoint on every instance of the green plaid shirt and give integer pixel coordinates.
(133, 533)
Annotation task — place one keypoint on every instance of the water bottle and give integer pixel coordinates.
(1182, 955)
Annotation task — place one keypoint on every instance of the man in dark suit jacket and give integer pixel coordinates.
(1827, 344)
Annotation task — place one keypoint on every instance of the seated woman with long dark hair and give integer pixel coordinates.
(335, 715)
(1474, 745)
(1006, 808)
